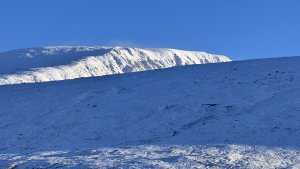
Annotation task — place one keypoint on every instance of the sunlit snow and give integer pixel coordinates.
(61, 63)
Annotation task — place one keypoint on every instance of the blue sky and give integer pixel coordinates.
(240, 29)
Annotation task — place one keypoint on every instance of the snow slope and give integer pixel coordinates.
(60, 63)
(243, 114)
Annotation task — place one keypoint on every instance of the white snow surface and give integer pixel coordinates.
(243, 114)
(63, 62)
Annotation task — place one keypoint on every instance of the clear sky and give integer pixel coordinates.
(240, 29)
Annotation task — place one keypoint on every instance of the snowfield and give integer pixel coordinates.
(243, 114)
(61, 63)
(221, 156)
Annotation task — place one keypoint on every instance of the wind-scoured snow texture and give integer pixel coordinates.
(242, 114)
(61, 63)
(214, 156)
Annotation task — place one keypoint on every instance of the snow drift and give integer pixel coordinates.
(61, 63)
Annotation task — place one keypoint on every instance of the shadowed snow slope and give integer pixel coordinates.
(242, 114)
(61, 63)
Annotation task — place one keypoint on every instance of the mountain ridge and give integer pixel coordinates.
(69, 62)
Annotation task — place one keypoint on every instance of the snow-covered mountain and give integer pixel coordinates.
(61, 63)
(243, 114)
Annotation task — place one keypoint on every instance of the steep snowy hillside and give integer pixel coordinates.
(227, 115)
(60, 63)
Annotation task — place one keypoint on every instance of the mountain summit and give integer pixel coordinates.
(71, 62)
